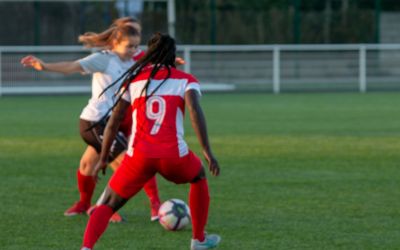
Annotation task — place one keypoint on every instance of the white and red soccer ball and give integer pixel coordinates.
(174, 214)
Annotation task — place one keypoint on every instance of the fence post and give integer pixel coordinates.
(171, 17)
(363, 69)
(1, 68)
(276, 71)
(187, 58)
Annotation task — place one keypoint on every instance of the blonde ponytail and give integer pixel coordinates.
(105, 38)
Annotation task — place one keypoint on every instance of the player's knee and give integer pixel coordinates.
(200, 176)
(113, 200)
(86, 167)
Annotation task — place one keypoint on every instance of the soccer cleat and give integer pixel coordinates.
(116, 218)
(154, 211)
(91, 210)
(210, 241)
(77, 208)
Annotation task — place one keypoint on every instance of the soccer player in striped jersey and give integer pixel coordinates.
(157, 93)
(120, 43)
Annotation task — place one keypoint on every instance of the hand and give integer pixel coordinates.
(213, 165)
(100, 165)
(32, 62)
(179, 61)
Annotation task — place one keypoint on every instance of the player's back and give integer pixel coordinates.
(158, 113)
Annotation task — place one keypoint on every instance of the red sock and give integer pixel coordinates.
(96, 226)
(199, 200)
(152, 191)
(86, 185)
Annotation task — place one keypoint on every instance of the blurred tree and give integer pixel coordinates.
(204, 22)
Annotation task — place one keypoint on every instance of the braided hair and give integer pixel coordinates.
(161, 53)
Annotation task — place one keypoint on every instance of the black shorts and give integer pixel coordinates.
(93, 136)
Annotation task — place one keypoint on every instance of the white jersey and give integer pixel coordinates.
(106, 68)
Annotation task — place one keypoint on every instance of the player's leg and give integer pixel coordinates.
(150, 187)
(199, 200)
(128, 180)
(86, 182)
(117, 161)
(100, 217)
(91, 133)
(188, 169)
(114, 166)
(116, 217)
(151, 191)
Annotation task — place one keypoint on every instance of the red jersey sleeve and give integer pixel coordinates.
(139, 54)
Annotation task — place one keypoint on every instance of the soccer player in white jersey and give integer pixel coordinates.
(157, 93)
(120, 42)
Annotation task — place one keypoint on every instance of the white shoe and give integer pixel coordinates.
(154, 211)
(210, 241)
(154, 218)
(85, 248)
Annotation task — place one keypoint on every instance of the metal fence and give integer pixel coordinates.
(262, 68)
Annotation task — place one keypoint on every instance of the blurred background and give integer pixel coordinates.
(208, 21)
(239, 45)
(317, 168)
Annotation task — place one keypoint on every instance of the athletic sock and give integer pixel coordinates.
(86, 185)
(151, 190)
(96, 226)
(199, 201)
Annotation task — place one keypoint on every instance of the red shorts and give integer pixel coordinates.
(135, 171)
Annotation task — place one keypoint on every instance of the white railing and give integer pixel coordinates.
(268, 68)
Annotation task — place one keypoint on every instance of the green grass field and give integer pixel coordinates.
(299, 171)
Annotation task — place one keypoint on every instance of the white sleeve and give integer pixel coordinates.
(96, 62)
(193, 85)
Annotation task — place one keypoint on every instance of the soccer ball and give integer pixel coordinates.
(174, 214)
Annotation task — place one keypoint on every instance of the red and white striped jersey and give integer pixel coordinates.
(126, 124)
(138, 54)
(157, 120)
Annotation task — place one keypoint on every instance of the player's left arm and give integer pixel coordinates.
(199, 125)
(110, 133)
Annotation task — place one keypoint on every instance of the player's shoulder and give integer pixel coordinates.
(98, 61)
(179, 74)
(114, 60)
(139, 54)
(104, 52)
(102, 55)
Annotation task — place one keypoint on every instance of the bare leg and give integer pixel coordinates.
(117, 161)
(88, 160)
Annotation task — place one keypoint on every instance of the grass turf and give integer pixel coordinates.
(299, 171)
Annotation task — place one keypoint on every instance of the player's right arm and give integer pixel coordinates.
(199, 125)
(59, 67)
(110, 133)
